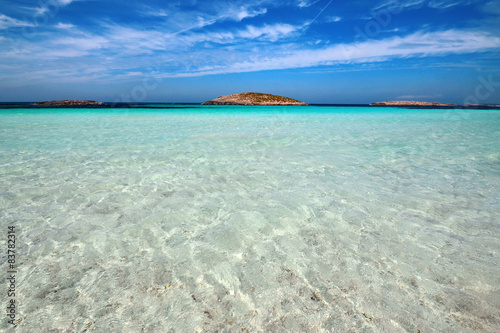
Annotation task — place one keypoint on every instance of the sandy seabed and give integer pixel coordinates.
(253, 219)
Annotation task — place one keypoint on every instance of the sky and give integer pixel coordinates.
(317, 51)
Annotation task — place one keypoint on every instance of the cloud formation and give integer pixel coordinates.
(9, 22)
(418, 44)
(220, 37)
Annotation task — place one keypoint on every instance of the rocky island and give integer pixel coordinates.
(69, 103)
(410, 103)
(253, 98)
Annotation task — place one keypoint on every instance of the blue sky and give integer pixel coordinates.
(326, 51)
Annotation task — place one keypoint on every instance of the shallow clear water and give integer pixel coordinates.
(270, 219)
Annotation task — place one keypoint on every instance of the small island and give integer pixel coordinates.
(410, 103)
(253, 98)
(69, 103)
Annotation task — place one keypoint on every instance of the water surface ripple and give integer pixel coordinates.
(256, 219)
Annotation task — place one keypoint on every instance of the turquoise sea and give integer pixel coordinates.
(252, 219)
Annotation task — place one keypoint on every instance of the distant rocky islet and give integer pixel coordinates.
(67, 102)
(253, 98)
(410, 103)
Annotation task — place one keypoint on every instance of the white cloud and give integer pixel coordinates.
(65, 2)
(52, 5)
(396, 6)
(9, 22)
(492, 7)
(181, 48)
(333, 18)
(40, 10)
(65, 26)
(68, 53)
(134, 41)
(306, 26)
(212, 37)
(243, 13)
(415, 45)
(235, 13)
(269, 32)
(307, 3)
(443, 4)
(158, 12)
(134, 74)
(82, 44)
